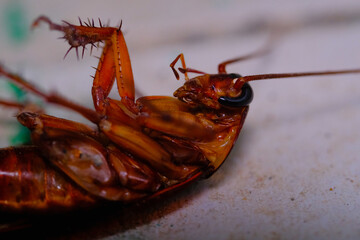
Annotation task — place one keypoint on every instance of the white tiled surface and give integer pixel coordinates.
(294, 172)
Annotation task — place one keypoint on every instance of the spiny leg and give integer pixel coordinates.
(123, 71)
(78, 36)
(114, 62)
(103, 82)
(104, 79)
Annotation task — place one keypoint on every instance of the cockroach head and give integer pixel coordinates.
(214, 91)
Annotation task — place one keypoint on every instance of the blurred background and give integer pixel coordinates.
(294, 172)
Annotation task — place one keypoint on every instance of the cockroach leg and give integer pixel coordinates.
(104, 79)
(11, 104)
(34, 121)
(51, 98)
(114, 62)
(190, 70)
(184, 70)
(123, 70)
(53, 26)
(172, 65)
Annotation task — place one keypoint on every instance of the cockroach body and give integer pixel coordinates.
(140, 149)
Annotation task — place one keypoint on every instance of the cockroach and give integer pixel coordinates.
(140, 148)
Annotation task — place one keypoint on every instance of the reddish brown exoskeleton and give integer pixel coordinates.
(139, 149)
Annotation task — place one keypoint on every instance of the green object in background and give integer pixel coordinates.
(16, 27)
(22, 135)
(15, 21)
(20, 95)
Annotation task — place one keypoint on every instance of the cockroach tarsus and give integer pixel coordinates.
(140, 148)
